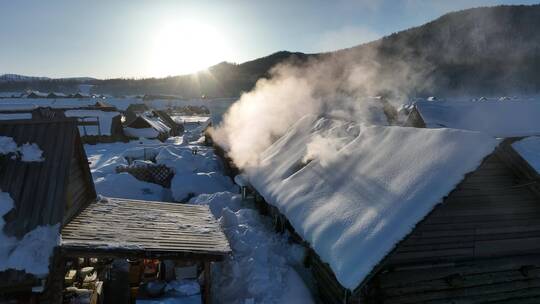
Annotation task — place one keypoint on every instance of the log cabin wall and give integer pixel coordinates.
(481, 244)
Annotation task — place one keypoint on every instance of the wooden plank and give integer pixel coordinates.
(499, 291)
(119, 226)
(406, 275)
(460, 281)
(508, 246)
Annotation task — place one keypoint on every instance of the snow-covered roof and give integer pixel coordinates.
(354, 191)
(191, 119)
(146, 127)
(15, 116)
(10, 94)
(103, 118)
(529, 150)
(37, 93)
(156, 123)
(63, 103)
(497, 118)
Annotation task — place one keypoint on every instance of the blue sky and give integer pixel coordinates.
(108, 39)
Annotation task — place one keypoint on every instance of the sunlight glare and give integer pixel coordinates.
(186, 47)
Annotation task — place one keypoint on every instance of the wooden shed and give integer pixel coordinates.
(120, 229)
(59, 191)
(479, 244)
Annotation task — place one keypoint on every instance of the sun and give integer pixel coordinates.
(184, 47)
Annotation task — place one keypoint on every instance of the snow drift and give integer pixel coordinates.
(363, 189)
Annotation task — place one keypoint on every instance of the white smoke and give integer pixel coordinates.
(337, 85)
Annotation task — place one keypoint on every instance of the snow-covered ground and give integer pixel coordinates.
(262, 266)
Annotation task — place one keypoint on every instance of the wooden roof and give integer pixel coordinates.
(38, 188)
(116, 227)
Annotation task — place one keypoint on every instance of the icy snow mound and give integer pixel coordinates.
(124, 185)
(354, 191)
(185, 186)
(217, 202)
(32, 253)
(500, 119)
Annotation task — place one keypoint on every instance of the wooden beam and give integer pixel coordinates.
(207, 283)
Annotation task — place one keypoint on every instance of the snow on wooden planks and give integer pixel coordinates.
(130, 228)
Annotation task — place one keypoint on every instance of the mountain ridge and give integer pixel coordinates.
(476, 51)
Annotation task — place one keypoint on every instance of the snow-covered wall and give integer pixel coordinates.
(353, 191)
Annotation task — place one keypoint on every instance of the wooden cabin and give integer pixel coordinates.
(58, 190)
(480, 243)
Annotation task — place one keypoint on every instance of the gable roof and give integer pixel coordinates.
(43, 183)
(143, 121)
(497, 118)
(354, 191)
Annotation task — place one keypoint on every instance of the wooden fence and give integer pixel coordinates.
(157, 174)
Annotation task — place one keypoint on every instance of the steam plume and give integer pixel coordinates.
(337, 84)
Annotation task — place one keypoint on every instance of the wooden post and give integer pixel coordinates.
(207, 283)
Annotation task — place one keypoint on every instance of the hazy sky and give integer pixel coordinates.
(157, 38)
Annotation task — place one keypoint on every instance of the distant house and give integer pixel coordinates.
(176, 128)
(98, 125)
(497, 118)
(11, 94)
(80, 95)
(404, 215)
(51, 218)
(104, 106)
(57, 95)
(161, 97)
(147, 127)
(134, 109)
(36, 94)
